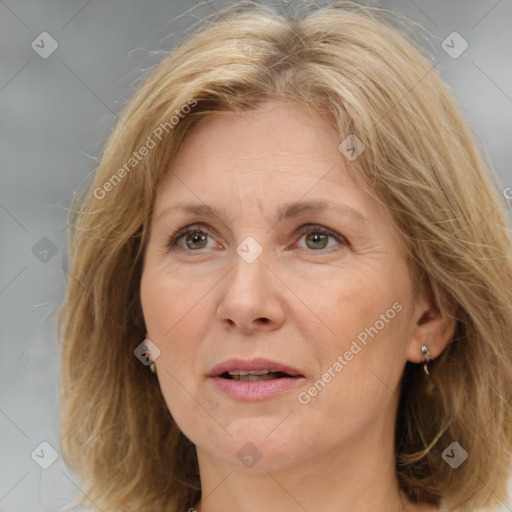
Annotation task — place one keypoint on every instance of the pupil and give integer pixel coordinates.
(194, 240)
(317, 238)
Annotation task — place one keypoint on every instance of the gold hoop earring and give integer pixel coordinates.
(152, 368)
(425, 358)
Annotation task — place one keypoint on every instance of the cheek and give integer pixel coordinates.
(353, 302)
(168, 303)
(366, 313)
(176, 319)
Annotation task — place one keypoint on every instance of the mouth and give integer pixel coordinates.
(255, 379)
(253, 369)
(253, 376)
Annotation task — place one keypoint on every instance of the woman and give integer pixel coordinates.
(293, 229)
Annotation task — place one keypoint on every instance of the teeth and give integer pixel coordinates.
(249, 372)
(252, 378)
(254, 375)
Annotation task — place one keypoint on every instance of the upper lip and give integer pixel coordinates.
(254, 365)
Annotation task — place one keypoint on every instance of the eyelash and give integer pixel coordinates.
(201, 229)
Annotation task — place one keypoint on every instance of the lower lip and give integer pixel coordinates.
(255, 390)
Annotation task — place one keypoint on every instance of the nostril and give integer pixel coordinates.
(263, 320)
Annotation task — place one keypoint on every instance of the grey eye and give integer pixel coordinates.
(316, 240)
(196, 240)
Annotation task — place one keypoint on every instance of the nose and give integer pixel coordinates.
(251, 297)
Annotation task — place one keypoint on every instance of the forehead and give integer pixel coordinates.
(265, 150)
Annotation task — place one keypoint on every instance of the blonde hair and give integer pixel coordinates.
(358, 68)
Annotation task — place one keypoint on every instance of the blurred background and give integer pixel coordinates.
(67, 69)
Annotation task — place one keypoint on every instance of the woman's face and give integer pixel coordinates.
(293, 267)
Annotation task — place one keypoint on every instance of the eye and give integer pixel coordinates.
(196, 237)
(190, 238)
(317, 238)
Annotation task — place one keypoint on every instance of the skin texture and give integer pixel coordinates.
(296, 304)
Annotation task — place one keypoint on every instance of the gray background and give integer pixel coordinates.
(56, 115)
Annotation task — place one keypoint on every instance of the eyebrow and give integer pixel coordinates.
(286, 211)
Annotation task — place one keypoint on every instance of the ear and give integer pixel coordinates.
(430, 329)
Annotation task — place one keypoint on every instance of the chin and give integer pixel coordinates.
(256, 443)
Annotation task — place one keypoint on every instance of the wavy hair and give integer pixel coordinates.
(362, 70)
